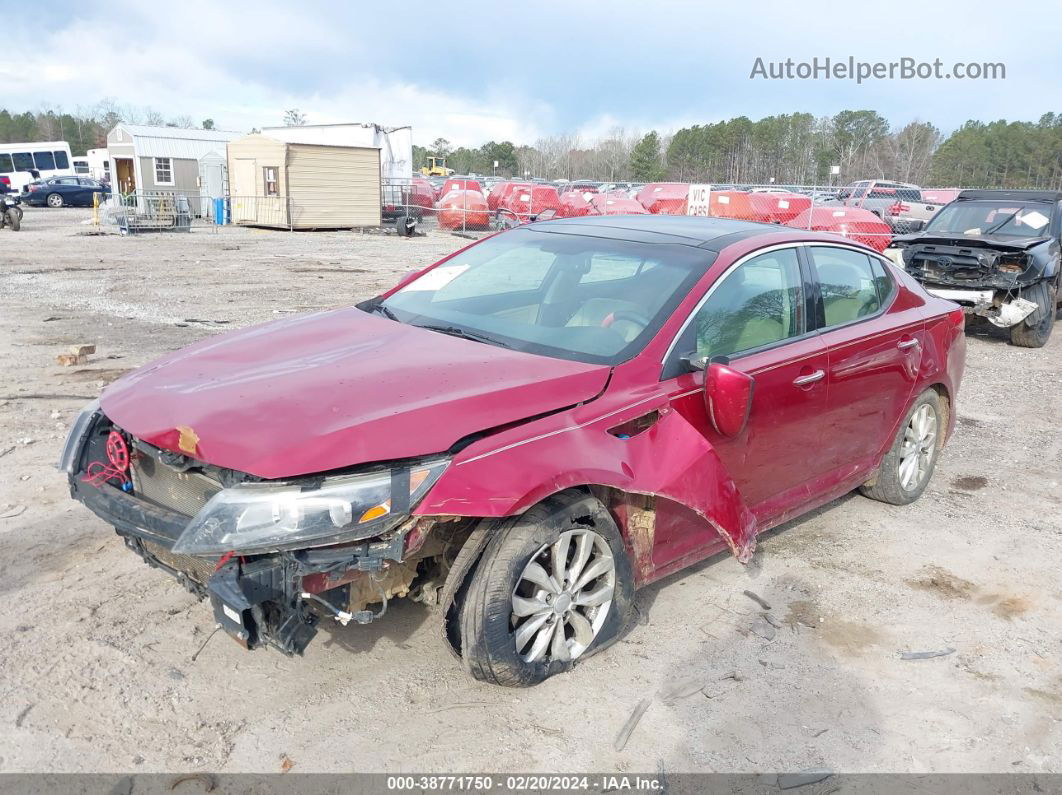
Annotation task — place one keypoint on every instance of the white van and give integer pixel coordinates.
(94, 163)
(20, 164)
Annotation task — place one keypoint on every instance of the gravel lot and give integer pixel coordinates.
(95, 657)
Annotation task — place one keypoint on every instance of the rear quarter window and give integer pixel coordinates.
(848, 284)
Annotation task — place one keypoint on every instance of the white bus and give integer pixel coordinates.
(94, 163)
(20, 164)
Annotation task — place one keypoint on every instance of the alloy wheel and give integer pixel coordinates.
(562, 597)
(55, 200)
(919, 447)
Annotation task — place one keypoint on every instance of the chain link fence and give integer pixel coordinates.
(870, 212)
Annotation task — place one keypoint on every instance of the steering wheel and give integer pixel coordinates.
(628, 315)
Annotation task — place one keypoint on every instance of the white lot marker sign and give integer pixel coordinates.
(697, 200)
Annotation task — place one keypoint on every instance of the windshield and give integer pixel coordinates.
(1028, 219)
(590, 299)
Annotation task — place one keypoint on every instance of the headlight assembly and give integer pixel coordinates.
(266, 517)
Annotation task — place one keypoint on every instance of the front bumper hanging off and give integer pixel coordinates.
(267, 600)
(1000, 308)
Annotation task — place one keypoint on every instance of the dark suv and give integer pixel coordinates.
(997, 253)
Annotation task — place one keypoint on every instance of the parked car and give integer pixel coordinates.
(525, 432)
(997, 253)
(912, 212)
(64, 191)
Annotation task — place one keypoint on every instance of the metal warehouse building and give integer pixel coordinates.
(290, 185)
(168, 159)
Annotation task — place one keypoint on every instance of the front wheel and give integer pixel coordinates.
(1035, 330)
(553, 586)
(907, 467)
(54, 200)
(14, 220)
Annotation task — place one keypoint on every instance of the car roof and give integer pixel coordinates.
(709, 233)
(1012, 195)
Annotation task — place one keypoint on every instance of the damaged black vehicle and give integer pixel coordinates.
(995, 252)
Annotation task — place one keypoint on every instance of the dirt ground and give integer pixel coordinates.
(96, 670)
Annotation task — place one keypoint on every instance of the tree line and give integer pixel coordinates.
(797, 148)
(84, 128)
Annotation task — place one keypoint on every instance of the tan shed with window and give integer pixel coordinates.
(303, 186)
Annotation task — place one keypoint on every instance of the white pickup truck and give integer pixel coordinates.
(915, 206)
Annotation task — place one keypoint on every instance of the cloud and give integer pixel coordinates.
(480, 70)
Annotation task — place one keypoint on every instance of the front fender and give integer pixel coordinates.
(506, 475)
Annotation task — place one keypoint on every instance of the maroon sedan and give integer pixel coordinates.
(523, 433)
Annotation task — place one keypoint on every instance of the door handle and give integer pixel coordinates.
(810, 378)
(905, 344)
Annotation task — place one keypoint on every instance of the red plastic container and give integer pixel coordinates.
(736, 204)
(573, 204)
(616, 203)
(422, 195)
(463, 209)
(500, 192)
(664, 198)
(459, 183)
(855, 223)
(527, 200)
(777, 208)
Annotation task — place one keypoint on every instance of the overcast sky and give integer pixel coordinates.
(474, 71)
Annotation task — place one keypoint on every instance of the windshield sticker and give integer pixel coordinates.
(974, 231)
(1035, 219)
(435, 279)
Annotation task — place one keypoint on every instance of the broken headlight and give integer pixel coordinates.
(266, 517)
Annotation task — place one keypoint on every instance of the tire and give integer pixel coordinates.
(1035, 330)
(54, 200)
(14, 220)
(566, 632)
(891, 483)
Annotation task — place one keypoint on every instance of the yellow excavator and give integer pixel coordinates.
(436, 168)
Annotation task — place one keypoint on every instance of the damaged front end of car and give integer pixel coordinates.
(273, 557)
(986, 277)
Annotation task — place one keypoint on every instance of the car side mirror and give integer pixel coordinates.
(727, 398)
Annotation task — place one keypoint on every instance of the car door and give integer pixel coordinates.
(89, 187)
(873, 330)
(756, 318)
(68, 188)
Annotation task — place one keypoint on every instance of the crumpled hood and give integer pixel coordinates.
(979, 241)
(324, 391)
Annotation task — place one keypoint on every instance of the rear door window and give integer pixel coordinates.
(847, 284)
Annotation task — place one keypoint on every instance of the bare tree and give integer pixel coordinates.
(294, 118)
